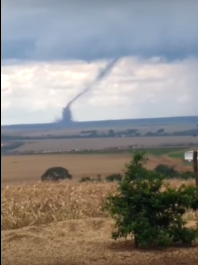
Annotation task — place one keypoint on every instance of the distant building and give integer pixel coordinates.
(188, 155)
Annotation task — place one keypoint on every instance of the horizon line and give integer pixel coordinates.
(109, 120)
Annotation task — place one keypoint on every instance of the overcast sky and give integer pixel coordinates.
(52, 49)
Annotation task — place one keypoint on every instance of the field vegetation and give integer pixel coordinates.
(130, 131)
(100, 144)
(29, 168)
(44, 203)
(65, 222)
(84, 140)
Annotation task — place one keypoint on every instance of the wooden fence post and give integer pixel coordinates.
(195, 168)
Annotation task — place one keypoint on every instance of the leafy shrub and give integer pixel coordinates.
(113, 177)
(167, 171)
(187, 175)
(141, 209)
(56, 174)
(86, 179)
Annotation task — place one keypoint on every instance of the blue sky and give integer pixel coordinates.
(52, 49)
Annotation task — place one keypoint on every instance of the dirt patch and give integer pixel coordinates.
(83, 242)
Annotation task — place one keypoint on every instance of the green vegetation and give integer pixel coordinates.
(85, 179)
(88, 179)
(109, 178)
(167, 171)
(166, 151)
(177, 155)
(113, 177)
(170, 172)
(102, 134)
(56, 174)
(143, 211)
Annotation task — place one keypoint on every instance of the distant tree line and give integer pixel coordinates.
(102, 134)
(60, 173)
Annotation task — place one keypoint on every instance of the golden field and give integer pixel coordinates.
(44, 203)
(63, 224)
(29, 168)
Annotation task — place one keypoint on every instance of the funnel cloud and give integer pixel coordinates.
(67, 118)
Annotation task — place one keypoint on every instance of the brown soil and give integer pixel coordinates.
(83, 242)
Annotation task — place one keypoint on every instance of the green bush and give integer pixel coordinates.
(85, 179)
(187, 175)
(56, 174)
(113, 177)
(88, 179)
(167, 171)
(152, 216)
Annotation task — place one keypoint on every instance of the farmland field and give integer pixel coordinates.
(29, 168)
(59, 224)
(101, 143)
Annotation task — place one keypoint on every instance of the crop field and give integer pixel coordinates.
(44, 203)
(29, 168)
(63, 223)
(59, 224)
(102, 143)
(18, 169)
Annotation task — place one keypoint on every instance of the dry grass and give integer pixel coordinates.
(83, 242)
(31, 205)
(83, 236)
(46, 203)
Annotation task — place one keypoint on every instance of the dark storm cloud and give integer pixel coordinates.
(89, 30)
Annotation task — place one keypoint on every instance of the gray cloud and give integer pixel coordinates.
(90, 30)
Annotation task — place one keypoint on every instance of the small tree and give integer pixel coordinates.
(113, 177)
(56, 174)
(85, 179)
(166, 170)
(187, 175)
(141, 209)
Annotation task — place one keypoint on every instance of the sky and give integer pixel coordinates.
(52, 49)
